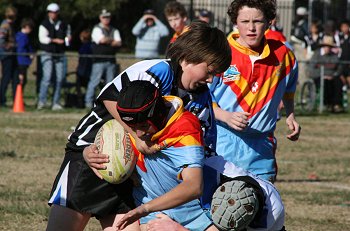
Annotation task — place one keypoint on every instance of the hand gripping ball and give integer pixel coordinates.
(234, 205)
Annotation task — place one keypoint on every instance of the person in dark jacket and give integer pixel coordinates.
(52, 35)
(105, 41)
(85, 62)
(8, 60)
(343, 38)
(24, 49)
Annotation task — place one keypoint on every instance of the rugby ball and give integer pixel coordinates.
(113, 140)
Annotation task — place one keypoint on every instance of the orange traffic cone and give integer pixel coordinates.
(18, 104)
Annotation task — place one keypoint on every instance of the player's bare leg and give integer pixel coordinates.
(63, 218)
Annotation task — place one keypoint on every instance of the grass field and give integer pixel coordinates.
(314, 173)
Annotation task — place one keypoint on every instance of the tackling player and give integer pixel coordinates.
(78, 192)
(171, 177)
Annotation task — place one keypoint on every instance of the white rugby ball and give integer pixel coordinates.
(113, 140)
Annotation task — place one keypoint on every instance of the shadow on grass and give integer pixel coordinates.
(4, 154)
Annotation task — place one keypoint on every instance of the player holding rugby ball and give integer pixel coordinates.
(79, 192)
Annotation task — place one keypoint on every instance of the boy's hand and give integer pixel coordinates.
(294, 127)
(95, 159)
(146, 147)
(163, 223)
(132, 216)
(237, 120)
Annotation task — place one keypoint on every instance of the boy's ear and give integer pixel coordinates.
(184, 19)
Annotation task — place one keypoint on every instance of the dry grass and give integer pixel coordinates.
(314, 173)
(314, 177)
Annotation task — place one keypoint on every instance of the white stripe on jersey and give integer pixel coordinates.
(138, 71)
(87, 130)
(61, 188)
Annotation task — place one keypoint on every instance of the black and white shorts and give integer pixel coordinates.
(77, 187)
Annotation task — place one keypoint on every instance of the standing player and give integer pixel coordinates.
(77, 192)
(262, 73)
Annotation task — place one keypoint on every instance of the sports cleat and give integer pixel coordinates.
(234, 205)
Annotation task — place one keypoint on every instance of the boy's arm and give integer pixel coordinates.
(236, 120)
(189, 189)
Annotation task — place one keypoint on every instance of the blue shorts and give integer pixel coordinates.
(252, 152)
(192, 217)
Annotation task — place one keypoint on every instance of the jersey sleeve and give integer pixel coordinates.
(110, 92)
(293, 76)
(213, 89)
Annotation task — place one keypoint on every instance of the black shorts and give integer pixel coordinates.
(77, 187)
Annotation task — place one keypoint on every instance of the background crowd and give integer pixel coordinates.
(97, 47)
(328, 45)
(151, 31)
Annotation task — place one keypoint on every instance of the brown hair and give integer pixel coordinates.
(10, 12)
(268, 7)
(173, 8)
(27, 22)
(85, 35)
(202, 43)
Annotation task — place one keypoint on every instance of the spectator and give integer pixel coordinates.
(301, 29)
(148, 31)
(330, 29)
(332, 83)
(343, 37)
(105, 41)
(85, 62)
(8, 61)
(315, 38)
(176, 15)
(24, 46)
(52, 34)
(246, 97)
(298, 40)
(205, 16)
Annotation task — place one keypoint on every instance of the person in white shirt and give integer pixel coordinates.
(105, 41)
(52, 34)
